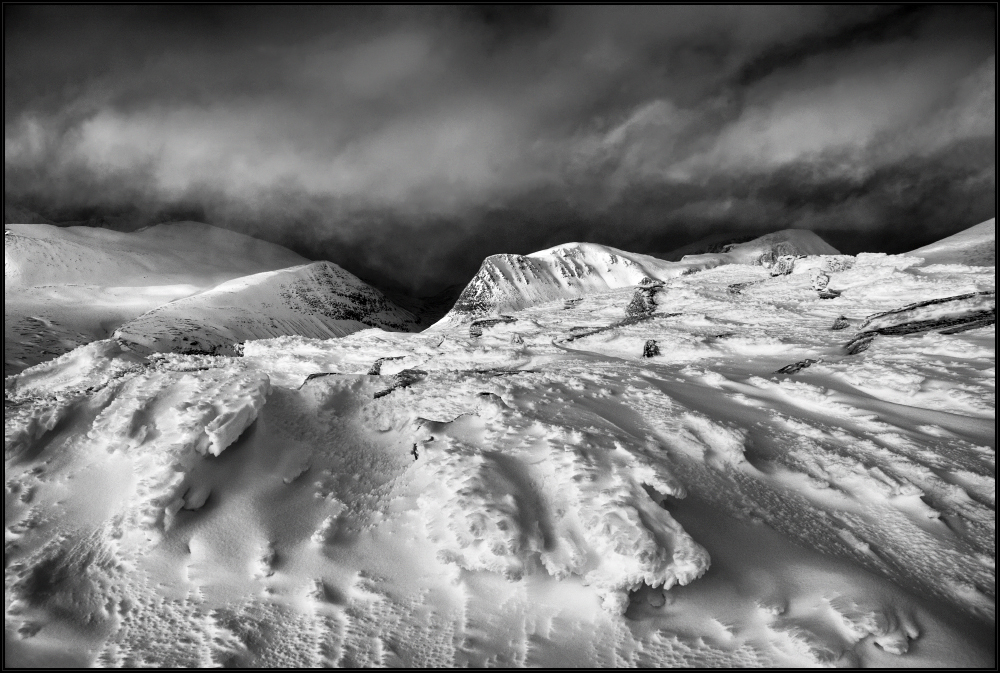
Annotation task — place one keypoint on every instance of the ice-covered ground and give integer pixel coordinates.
(529, 490)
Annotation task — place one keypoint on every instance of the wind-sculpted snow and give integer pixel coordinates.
(531, 488)
(522, 495)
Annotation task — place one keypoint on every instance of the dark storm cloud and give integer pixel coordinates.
(408, 143)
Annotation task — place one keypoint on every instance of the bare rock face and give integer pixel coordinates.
(777, 251)
(841, 323)
(820, 280)
(835, 263)
(650, 349)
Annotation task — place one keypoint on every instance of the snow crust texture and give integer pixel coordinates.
(541, 489)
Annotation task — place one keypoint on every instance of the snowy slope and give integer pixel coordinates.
(318, 300)
(164, 254)
(976, 246)
(766, 248)
(68, 286)
(748, 249)
(513, 282)
(540, 494)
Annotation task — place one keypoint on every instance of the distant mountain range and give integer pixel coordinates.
(189, 287)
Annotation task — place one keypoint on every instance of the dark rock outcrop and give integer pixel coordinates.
(376, 368)
(403, 379)
(643, 301)
(948, 315)
(477, 326)
(796, 367)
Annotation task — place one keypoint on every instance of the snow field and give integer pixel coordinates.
(541, 494)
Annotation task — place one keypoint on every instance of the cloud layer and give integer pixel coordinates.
(408, 143)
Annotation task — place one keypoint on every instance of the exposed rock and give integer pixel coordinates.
(317, 375)
(650, 349)
(737, 288)
(796, 367)
(949, 315)
(835, 263)
(860, 343)
(959, 308)
(644, 300)
(477, 326)
(405, 378)
(376, 369)
(841, 323)
(777, 251)
(820, 280)
(829, 294)
(783, 265)
(972, 324)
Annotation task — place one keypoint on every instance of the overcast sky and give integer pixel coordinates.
(407, 143)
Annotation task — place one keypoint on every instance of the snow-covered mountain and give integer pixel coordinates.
(67, 286)
(765, 249)
(318, 300)
(975, 246)
(726, 483)
(512, 282)
(165, 254)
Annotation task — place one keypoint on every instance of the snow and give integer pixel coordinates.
(513, 282)
(318, 300)
(976, 246)
(170, 285)
(528, 490)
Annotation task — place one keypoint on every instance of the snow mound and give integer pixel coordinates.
(318, 300)
(976, 246)
(568, 504)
